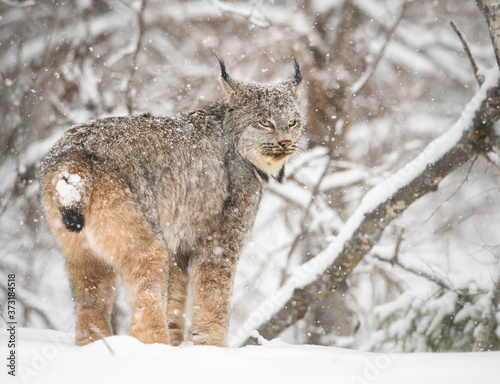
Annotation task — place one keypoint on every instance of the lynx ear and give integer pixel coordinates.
(297, 79)
(228, 84)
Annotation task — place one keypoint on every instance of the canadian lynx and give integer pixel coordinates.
(166, 203)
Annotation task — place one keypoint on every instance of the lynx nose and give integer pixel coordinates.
(285, 143)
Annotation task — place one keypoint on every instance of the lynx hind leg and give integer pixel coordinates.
(120, 231)
(149, 289)
(64, 198)
(177, 293)
(92, 282)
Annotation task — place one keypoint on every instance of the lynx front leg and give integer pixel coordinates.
(177, 292)
(211, 284)
(211, 272)
(92, 283)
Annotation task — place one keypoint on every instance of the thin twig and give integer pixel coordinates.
(479, 77)
(422, 274)
(488, 159)
(363, 80)
(7, 199)
(250, 14)
(399, 240)
(491, 13)
(454, 192)
(305, 218)
(103, 338)
(395, 262)
(355, 89)
(22, 300)
(138, 47)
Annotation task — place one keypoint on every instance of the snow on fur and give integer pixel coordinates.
(69, 187)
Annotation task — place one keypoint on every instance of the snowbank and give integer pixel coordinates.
(51, 357)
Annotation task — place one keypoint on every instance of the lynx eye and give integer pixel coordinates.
(266, 124)
(292, 123)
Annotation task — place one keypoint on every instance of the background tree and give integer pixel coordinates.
(384, 79)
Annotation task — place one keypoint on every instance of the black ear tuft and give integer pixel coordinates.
(224, 73)
(298, 77)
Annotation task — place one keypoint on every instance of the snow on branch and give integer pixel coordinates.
(481, 343)
(315, 279)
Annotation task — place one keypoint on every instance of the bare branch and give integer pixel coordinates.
(420, 273)
(454, 192)
(363, 80)
(28, 300)
(491, 11)
(133, 68)
(479, 77)
(491, 159)
(103, 338)
(7, 199)
(307, 212)
(253, 14)
(355, 89)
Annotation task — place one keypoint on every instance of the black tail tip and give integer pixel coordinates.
(72, 220)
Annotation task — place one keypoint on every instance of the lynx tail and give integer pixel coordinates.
(68, 186)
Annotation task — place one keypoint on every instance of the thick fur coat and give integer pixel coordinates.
(166, 203)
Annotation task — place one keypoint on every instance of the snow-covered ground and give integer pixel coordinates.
(50, 357)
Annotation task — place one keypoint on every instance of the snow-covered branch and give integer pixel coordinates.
(481, 343)
(314, 280)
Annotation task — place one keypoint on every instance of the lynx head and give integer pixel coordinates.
(264, 121)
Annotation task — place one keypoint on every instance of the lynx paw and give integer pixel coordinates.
(176, 334)
(84, 338)
(212, 337)
(91, 325)
(149, 324)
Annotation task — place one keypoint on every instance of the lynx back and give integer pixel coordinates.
(167, 203)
